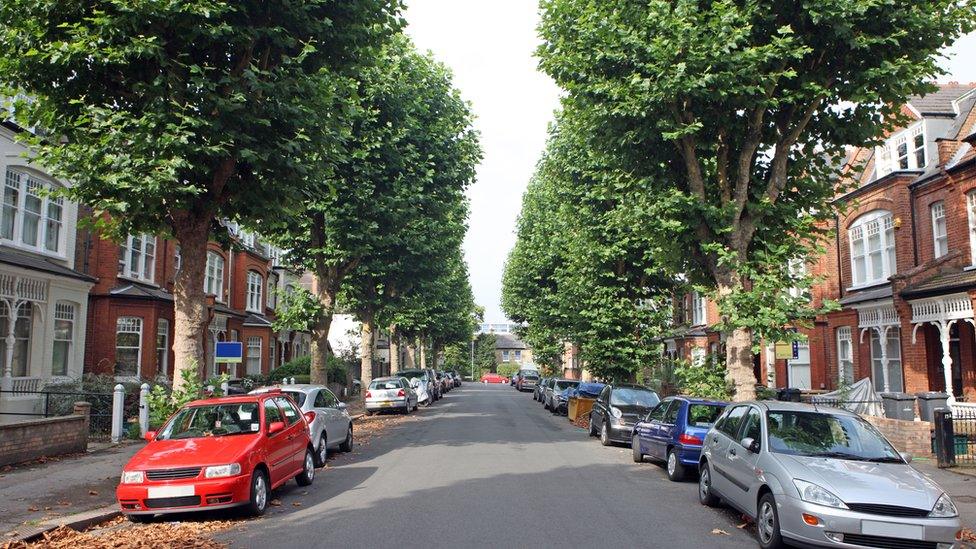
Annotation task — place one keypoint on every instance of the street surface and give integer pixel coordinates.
(488, 467)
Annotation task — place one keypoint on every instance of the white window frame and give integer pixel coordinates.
(143, 267)
(505, 356)
(940, 235)
(699, 309)
(64, 311)
(889, 158)
(162, 351)
(25, 312)
(129, 325)
(878, 222)
(18, 184)
(177, 260)
(518, 356)
(971, 208)
(254, 344)
(698, 356)
(273, 289)
(845, 355)
(255, 291)
(896, 376)
(213, 282)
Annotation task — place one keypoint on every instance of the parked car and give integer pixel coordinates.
(490, 377)
(390, 393)
(617, 410)
(554, 392)
(218, 453)
(514, 380)
(821, 476)
(432, 375)
(540, 389)
(673, 433)
(421, 384)
(329, 422)
(457, 378)
(529, 381)
(442, 379)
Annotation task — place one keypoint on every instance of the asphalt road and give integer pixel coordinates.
(488, 467)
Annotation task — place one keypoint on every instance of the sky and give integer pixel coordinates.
(490, 47)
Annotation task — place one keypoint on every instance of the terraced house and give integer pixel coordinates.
(131, 305)
(43, 296)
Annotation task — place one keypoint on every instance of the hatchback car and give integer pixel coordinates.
(821, 476)
(390, 393)
(218, 453)
(617, 410)
(328, 418)
(432, 375)
(490, 377)
(540, 389)
(673, 433)
(554, 399)
(421, 384)
(528, 381)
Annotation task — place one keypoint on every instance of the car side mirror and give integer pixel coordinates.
(415, 383)
(751, 444)
(276, 427)
(906, 456)
(150, 436)
(343, 406)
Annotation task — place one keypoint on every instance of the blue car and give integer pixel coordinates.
(673, 432)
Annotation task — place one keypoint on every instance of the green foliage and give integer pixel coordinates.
(457, 357)
(300, 368)
(164, 402)
(706, 380)
(508, 370)
(297, 309)
(484, 354)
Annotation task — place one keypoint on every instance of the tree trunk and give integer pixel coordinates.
(411, 361)
(190, 312)
(738, 348)
(366, 351)
(394, 350)
(321, 350)
(423, 355)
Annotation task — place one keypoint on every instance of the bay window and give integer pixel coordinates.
(971, 207)
(137, 257)
(253, 355)
(845, 356)
(872, 239)
(128, 346)
(939, 236)
(904, 150)
(30, 216)
(698, 309)
(22, 336)
(162, 346)
(892, 354)
(255, 284)
(64, 327)
(213, 283)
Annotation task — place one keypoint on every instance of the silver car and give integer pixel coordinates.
(821, 476)
(421, 384)
(330, 427)
(390, 393)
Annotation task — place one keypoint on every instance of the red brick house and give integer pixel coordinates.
(902, 265)
(130, 324)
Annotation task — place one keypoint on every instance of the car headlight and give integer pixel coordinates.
(135, 477)
(812, 493)
(944, 508)
(616, 412)
(218, 471)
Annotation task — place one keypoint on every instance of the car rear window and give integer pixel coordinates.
(389, 384)
(704, 415)
(297, 396)
(563, 385)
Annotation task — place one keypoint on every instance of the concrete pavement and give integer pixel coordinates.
(488, 467)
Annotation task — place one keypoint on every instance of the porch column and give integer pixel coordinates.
(883, 339)
(944, 329)
(7, 382)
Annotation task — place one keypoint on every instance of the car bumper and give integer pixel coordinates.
(849, 524)
(689, 455)
(373, 405)
(620, 431)
(207, 495)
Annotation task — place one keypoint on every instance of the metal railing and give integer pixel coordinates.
(955, 437)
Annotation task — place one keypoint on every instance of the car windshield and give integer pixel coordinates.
(385, 384)
(213, 421)
(632, 396)
(533, 377)
(704, 415)
(819, 434)
(562, 385)
(297, 396)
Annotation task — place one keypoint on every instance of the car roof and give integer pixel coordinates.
(387, 378)
(697, 400)
(783, 406)
(234, 399)
(629, 386)
(303, 387)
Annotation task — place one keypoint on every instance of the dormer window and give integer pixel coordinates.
(904, 150)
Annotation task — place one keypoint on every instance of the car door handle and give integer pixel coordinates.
(732, 452)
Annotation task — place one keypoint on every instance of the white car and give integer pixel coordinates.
(390, 393)
(328, 419)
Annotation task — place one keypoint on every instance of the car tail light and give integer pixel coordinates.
(310, 416)
(368, 395)
(401, 393)
(685, 438)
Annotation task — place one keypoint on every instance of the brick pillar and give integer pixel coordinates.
(84, 409)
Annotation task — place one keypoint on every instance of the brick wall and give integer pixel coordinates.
(914, 437)
(51, 436)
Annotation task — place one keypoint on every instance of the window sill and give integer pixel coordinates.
(969, 268)
(867, 286)
(38, 251)
(139, 280)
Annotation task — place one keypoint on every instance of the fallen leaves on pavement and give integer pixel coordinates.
(117, 534)
(719, 532)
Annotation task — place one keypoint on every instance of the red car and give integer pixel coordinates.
(493, 378)
(218, 453)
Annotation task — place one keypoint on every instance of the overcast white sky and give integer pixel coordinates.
(490, 46)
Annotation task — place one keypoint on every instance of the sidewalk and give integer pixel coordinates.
(959, 482)
(32, 494)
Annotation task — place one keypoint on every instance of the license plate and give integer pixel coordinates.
(170, 491)
(386, 404)
(892, 529)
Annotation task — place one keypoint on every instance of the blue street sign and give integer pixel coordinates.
(796, 350)
(229, 352)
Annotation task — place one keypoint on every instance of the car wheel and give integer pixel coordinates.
(592, 428)
(676, 471)
(322, 452)
(346, 445)
(605, 435)
(545, 404)
(258, 503)
(416, 405)
(307, 475)
(140, 519)
(767, 524)
(369, 413)
(705, 495)
(429, 401)
(635, 446)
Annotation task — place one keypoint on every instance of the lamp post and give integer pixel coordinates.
(472, 359)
